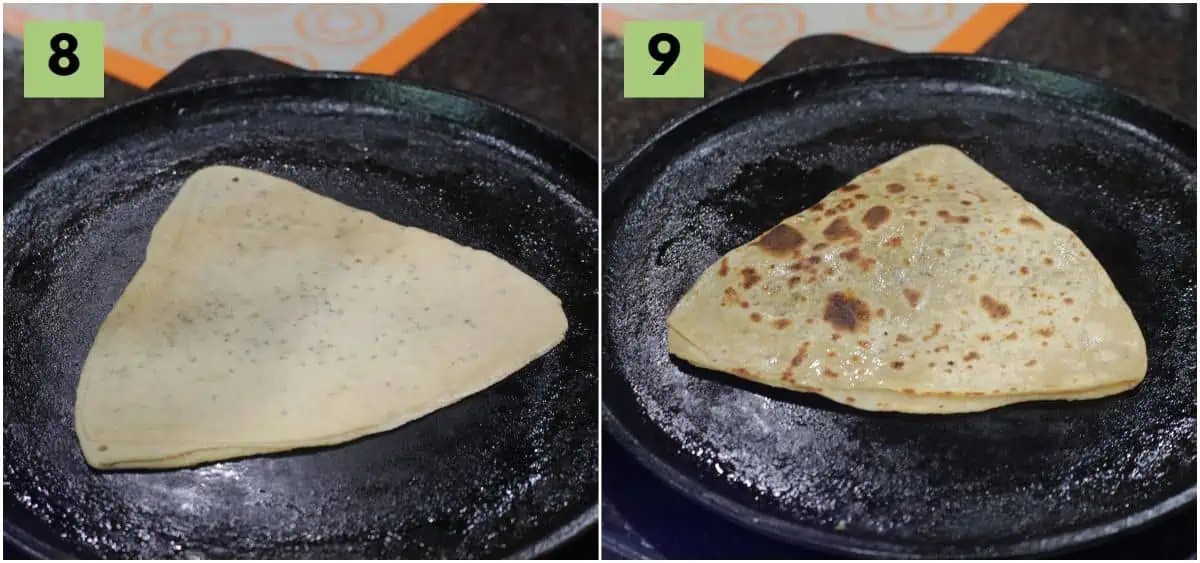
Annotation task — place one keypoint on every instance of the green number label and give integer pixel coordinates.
(64, 59)
(664, 59)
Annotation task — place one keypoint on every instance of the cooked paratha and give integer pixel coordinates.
(267, 317)
(925, 285)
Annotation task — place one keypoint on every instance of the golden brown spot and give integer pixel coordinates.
(941, 252)
(850, 255)
(809, 388)
(845, 312)
(913, 296)
(831, 353)
(974, 393)
(861, 196)
(1046, 312)
(800, 354)
(781, 323)
(849, 399)
(780, 240)
(818, 207)
(972, 355)
(965, 202)
(756, 316)
(985, 337)
(943, 348)
(1030, 222)
(897, 365)
(864, 344)
(730, 297)
(745, 304)
(1005, 230)
(876, 216)
(880, 312)
(947, 217)
(1045, 332)
(743, 372)
(1030, 363)
(1048, 262)
(830, 212)
(910, 390)
(792, 281)
(829, 373)
(995, 309)
(894, 242)
(819, 247)
(999, 249)
(1010, 336)
(724, 269)
(1075, 319)
(923, 223)
(850, 187)
(749, 278)
(937, 329)
(866, 264)
(895, 188)
(1069, 301)
(1024, 270)
(972, 278)
(903, 338)
(840, 229)
(875, 171)
(787, 376)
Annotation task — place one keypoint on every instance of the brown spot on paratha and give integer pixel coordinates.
(894, 242)
(840, 229)
(809, 388)
(972, 355)
(849, 399)
(819, 247)
(730, 297)
(781, 240)
(745, 304)
(994, 308)
(880, 312)
(947, 217)
(743, 372)
(985, 337)
(895, 188)
(965, 202)
(910, 390)
(818, 207)
(923, 223)
(749, 278)
(866, 264)
(1005, 230)
(1048, 261)
(792, 281)
(943, 348)
(756, 316)
(787, 376)
(903, 338)
(876, 216)
(1045, 332)
(864, 344)
(724, 269)
(850, 255)
(850, 187)
(1030, 363)
(829, 373)
(1030, 222)
(1011, 336)
(861, 196)
(781, 323)
(801, 354)
(1076, 319)
(913, 296)
(846, 312)
(937, 328)
(897, 365)
(830, 212)
(1024, 270)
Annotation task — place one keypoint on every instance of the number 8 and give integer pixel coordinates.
(67, 53)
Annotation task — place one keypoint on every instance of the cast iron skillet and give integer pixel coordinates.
(510, 471)
(1021, 480)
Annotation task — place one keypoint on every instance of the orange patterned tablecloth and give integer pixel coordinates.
(145, 41)
(740, 38)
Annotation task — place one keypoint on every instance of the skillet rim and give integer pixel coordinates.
(576, 524)
(796, 533)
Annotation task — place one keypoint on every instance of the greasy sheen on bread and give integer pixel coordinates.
(925, 285)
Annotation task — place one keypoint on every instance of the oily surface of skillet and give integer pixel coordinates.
(509, 471)
(1030, 478)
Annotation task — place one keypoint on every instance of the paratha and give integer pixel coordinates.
(925, 285)
(267, 317)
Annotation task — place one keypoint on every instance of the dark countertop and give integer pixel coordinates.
(540, 60)
(1147, 49)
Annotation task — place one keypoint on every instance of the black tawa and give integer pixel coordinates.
(1021, 480)
(507, 472)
